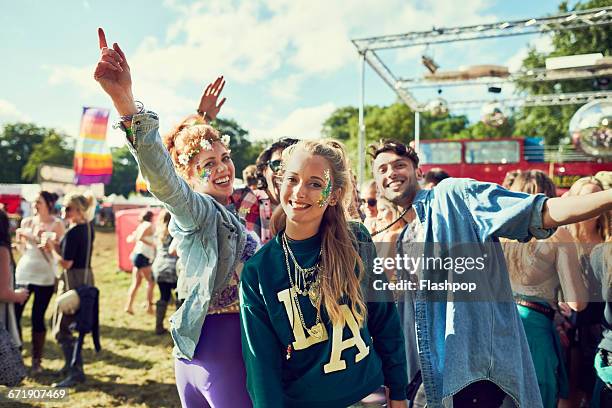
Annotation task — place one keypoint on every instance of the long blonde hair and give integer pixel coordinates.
(604, 221)
(340, 256)
(84, 203)
(531, 182)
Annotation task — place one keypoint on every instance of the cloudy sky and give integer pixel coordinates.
(288, 63)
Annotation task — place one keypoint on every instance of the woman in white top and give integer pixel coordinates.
(36, 269)
(142, 258)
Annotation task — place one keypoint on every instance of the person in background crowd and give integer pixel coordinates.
(249, 176)
(268, 170)
(36, 269)
(473, 352)
(389, 223)
(25, 209)
(9, 296)
(601, 263)
(369, 199)
(308, 329)
(509, 178)
(192, 174)
(538, 270)
(73, 253)
(585, 338)
(353, 210)
(142, 257)
(164, 270)
(433, 177)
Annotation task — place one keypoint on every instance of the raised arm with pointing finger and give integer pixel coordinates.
(193, 176)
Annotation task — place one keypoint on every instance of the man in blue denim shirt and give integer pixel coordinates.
(472, 353)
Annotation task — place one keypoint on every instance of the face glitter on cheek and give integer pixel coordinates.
(205, 175)
(326, 191)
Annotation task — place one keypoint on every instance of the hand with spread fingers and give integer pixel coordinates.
(113, 74)
(208, 107)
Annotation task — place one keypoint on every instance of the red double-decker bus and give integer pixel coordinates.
(490, 159)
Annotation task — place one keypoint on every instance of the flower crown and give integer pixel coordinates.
(193, 149)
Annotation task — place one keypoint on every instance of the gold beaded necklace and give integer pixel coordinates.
(306, 282)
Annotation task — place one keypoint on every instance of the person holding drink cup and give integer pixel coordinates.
(73, 253)
(36, 269)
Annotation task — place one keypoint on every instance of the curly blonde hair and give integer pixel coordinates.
(187, 137)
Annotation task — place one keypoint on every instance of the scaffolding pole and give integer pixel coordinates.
(361, 142)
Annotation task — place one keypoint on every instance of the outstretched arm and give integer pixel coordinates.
(568, 210)
(113, 74)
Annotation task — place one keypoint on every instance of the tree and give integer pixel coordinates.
(17, 141)
(54, 149)
(395, 121)
(552, 122)
(243, 152)
(125, 171)
(337, 125)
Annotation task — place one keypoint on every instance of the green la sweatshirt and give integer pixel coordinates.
(336, 369)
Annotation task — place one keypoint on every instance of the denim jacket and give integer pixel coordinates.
(210, 238)
(460, 343)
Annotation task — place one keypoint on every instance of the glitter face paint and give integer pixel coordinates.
(326, 191)
(205, 175)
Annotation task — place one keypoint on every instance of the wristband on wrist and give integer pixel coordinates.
(128, 118)
(204, 115)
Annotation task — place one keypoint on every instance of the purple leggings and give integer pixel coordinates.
(216, 376)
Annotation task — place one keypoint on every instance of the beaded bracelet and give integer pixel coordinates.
(128, 118)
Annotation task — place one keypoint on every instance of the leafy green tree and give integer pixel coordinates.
(17, 141)
(125, 172)
(54, 149)
(337, 126)
(243, 151)
(445, 128)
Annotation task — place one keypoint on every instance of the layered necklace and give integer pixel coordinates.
(304, 282)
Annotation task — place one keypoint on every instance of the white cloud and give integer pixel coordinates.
(10, 113)
(286, 89)
(276, 44)
(302, 123)
(542, 44)
(251, 40)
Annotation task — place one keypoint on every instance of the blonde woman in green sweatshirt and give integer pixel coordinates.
(310, 334)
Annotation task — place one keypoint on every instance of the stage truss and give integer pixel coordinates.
(368, 47)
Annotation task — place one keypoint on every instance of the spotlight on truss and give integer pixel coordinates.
(429, 63)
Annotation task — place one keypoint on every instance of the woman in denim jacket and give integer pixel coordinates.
(212, 242)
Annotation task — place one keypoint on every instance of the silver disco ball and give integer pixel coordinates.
(437, 107)
(591, 128)
(492, 114)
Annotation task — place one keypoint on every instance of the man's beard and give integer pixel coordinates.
(403, 198)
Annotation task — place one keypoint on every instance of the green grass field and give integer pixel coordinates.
(134, 368)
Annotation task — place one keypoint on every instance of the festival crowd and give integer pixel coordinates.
(272, 282)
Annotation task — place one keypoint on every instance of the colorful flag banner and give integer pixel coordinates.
(93, 162)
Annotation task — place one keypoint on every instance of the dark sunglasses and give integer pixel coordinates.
(275, 165)
(370, 201)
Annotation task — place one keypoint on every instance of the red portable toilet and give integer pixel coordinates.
(126, 222)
